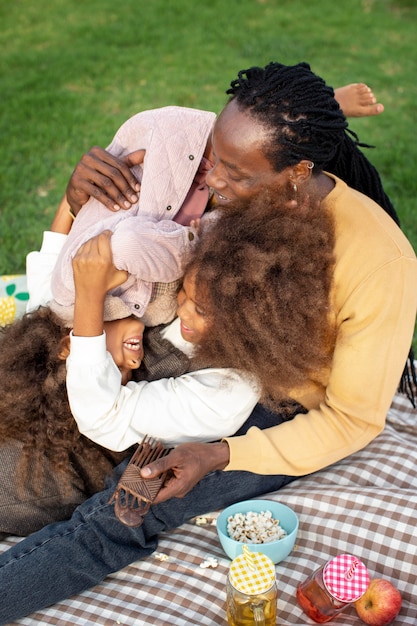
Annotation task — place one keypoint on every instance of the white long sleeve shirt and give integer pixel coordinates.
(39, 267)
(204, 405)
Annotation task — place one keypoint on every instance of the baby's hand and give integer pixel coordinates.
(196, 224)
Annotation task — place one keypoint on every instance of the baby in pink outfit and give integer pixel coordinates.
(152, 238)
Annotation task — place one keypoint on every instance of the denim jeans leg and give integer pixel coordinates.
(68, 557)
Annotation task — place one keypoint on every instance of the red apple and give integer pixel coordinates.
(380, 604)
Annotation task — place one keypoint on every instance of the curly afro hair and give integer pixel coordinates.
(263, 274)
(34, 406)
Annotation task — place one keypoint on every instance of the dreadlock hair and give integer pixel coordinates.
(34, 408)
(306, 122)
(263, 276)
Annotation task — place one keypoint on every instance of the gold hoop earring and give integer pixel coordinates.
(294, 186)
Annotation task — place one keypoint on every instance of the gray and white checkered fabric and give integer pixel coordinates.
(365, 505)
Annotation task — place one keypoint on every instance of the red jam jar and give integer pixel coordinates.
(333, 587)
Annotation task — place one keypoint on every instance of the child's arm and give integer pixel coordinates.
(202, 405)
(39, 268)
(63, 218)
(41, 263)
(205, 405)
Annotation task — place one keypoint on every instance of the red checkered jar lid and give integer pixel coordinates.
(346, 578)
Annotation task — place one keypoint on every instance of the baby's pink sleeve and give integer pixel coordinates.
(152, 250)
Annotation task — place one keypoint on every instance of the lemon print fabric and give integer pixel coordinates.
(13, 298)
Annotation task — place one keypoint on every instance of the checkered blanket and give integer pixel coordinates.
(365, 505)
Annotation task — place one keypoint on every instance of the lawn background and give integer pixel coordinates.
(72, 72)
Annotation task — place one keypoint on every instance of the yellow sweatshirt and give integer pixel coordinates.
(374, 304)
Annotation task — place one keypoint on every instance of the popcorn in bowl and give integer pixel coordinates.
(273, 528)
(254, 528)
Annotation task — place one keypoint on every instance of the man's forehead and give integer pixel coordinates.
(237, 133)
(243, 158)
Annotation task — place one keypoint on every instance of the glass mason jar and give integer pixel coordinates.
(333, 587)
(246, 610)
(251, 591)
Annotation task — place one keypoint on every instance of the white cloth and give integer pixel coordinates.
(39, 267)
(204, 405)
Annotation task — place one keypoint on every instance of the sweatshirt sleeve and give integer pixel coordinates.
(39, 267)
(153, 250)
(375, 331)
(204, 405)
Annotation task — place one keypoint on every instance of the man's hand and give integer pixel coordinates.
(188, 463)
(105, 177)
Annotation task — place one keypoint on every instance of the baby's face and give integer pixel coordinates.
(124, 342)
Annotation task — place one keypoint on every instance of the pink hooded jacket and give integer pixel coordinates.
(149, 240)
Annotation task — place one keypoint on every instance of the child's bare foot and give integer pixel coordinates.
(357, 100)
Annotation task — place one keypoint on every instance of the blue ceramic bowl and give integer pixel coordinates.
(276, 550)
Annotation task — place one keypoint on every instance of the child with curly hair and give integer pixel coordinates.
(245, 276)
(249, 298)
(48, 467)
(263, 275)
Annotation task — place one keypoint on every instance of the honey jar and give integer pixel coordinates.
(251, 590)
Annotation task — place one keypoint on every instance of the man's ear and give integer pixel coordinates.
(302, 172)
(64, 348)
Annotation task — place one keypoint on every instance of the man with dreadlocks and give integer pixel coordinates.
(282, 131)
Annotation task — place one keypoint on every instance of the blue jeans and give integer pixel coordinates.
(65, 558)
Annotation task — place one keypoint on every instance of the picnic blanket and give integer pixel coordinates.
(365, 505)
(13, 297)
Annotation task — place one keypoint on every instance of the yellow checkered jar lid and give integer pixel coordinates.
(252, 572)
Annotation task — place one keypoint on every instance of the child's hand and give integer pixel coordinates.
(196, 224)
(94, 272)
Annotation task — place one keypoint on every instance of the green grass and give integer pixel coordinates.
(72, 72)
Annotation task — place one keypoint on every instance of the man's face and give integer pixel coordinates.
(241, 169)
